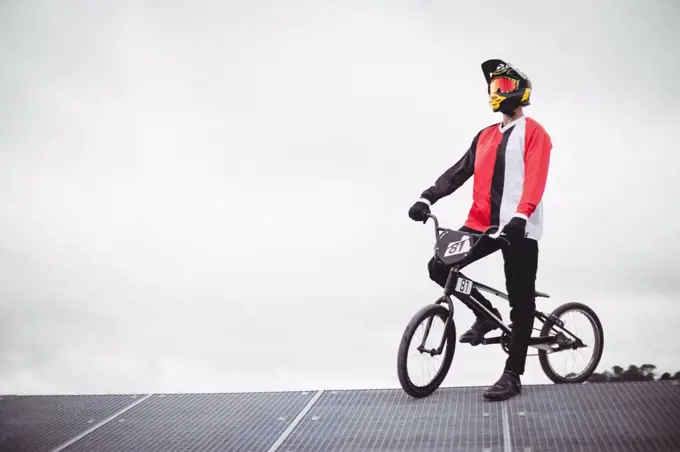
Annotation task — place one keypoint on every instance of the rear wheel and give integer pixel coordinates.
(572, 341)
(421, 338)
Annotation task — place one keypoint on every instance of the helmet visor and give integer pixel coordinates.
(503, 85)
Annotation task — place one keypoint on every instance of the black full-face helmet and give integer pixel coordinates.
(507, 86)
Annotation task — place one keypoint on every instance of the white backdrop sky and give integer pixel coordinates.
(213, 195)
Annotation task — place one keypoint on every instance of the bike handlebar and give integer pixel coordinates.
(495, 236)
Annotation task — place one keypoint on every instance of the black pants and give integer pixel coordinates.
(520, 265)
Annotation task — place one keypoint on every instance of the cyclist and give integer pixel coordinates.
(509, 161)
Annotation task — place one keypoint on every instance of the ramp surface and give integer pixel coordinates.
(631, 416)
(40, 423)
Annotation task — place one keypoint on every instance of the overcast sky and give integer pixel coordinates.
(213, 196)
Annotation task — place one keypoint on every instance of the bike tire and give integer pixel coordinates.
(450, 348)
(543, 355)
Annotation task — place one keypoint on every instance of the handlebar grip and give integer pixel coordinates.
(498, 235)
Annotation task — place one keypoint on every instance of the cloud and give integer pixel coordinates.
(214, 196)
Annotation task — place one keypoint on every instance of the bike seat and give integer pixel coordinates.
(541, 294)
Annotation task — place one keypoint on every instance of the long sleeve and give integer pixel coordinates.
(538, 147)
(453, 177)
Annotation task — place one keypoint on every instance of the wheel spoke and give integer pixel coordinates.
(428, 367)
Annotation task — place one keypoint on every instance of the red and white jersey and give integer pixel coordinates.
(510, 168)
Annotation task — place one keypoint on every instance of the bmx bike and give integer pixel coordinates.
(452, 247)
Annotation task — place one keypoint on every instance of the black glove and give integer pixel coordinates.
(515, 230)
(418, 210)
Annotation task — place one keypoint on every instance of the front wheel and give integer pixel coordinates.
(572, 340)
(436, 334)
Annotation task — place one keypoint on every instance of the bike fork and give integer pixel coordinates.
(449, 287)
(447, 325)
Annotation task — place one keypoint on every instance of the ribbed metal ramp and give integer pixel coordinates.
(631, 416)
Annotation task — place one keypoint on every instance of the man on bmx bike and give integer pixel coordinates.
(509, 164)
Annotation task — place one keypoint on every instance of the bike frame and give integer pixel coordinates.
(461, 287)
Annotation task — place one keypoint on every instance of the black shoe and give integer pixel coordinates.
(481, 326)
(509, 385)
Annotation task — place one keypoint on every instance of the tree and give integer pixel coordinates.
(597, 377)
(645, 372)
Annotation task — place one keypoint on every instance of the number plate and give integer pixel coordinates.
(464, 285)
(459, 247)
